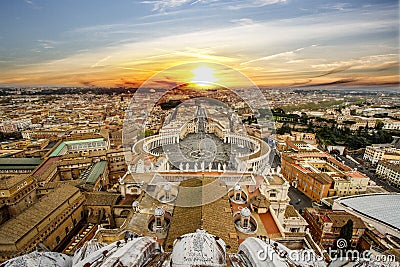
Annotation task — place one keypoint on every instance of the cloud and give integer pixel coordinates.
(337, 7)
(48, 44)
(337, 82)
(335, 70)
(279, 55)
(254, 4)
(128, 83)
(203, 54)
(86, 83)
(162, 5)
(99, 63)
(307, 81)
(243, 21)
(370, 62)
(347, 41)
(33, 4)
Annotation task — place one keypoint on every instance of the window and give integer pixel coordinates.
(245, 223)
(57, 239)
(158, 222)
(66, 230)
(237, 196)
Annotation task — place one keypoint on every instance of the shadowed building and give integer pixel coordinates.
(17, 192)
(18, 165)
(325, 226)
(46, 222)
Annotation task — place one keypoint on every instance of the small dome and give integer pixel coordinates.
(167, 187)
(159, 212)
(245, 212)
(135, 204)
(237, 188)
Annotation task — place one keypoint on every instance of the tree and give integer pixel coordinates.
(284, 129)
(379, 125)
(347, 232)
(148, 133)
(304, 118)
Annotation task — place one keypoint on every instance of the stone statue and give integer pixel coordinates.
(187, 166)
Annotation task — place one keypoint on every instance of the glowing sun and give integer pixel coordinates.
(203, 76)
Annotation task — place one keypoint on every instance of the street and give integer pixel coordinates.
(295, 195)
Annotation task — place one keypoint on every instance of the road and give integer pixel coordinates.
(295, 195)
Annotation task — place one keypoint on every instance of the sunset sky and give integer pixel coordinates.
(124, 42)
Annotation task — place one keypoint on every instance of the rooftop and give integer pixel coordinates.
(59, 148)
(19, 163)
(381, 207)
(96, 171)
(18, 227)
(45, 165)
(291, 212)
(8, 181)
(101, 198)
(189, 219)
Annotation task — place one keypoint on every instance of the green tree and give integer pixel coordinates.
(304, 118)
(284, 129)
(148, 133)
(379, 125)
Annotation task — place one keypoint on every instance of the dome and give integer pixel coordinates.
(237, 188)
(245, 212)
(136, 252)
(159, 212)
(199, 249)
(87, 248)
(40, 259)
(135, 204)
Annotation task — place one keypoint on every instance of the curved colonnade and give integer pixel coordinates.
(254, 161)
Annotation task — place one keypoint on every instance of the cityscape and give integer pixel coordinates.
(199, 133)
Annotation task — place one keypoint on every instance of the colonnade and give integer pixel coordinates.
(244, 141)
(153, 142)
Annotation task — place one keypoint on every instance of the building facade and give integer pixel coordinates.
(389, 171)
(46, 222)
(325, 226)
(377, 152)
(17, 192)
(319, 175)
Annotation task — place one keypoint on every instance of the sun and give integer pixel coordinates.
(203, 76)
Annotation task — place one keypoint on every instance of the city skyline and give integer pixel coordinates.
(273, 42)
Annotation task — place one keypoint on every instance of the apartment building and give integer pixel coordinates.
(389, 171)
